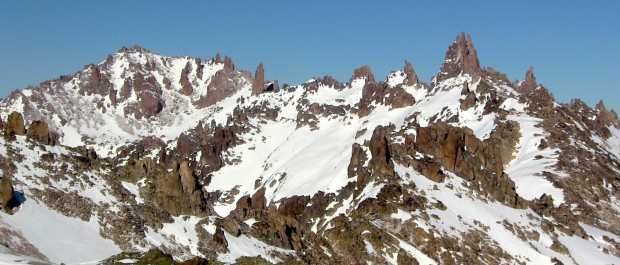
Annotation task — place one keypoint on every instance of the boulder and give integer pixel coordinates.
(7, 196)
(39, 131)
(15, 124)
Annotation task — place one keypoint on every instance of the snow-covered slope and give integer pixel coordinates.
(114, 103)
(199, 159)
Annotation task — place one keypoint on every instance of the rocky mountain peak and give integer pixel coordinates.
(364, 72)
(217, 59)
(461, 58)
(175, 153)
(258, 85)
(529, 83)
(134, 48)
(228, 64)
(411, 77)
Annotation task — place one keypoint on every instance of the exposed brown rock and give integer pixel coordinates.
(220, 239)
(529, 83)
(470, 97)
(187, 177)
(217, 59)
(224, 83)
(112, 96)
(94, 81)
(364, 72)
(356, 165)
(39, 131)
(381, 159)
(405, 258)
(258, 86)
(543, 206)
(381, 93)
(186, 86)
(15, 124)
(605, 116)
(228, 64)
(461, 58)
(6, 193)
(458, 150)
(149, 95)
(411, 77)
(184, 146)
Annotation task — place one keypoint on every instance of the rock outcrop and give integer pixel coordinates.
(15, 124)
(7, 196)
(39, 131)
(382, 93)
(258, 86)
(458, 150)
(529, 83)
(223, 84)
(411, 78)
(186, 86)
(461, 58)
(605, 117)
(364, 72)
(381, 158)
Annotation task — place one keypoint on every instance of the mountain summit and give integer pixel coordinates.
(461, 58)
(146, 157)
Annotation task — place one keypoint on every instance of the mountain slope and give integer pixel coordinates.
(199, 159)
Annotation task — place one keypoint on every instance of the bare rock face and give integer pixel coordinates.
(39, 131)
(381, 160)
(258, 86)
(381, 93)
(228, 64)
(217, 59)
(186, 86)
(364, 72)
(187, 177)
(149, 96)
(6, 193)
(461, 58)
(356, 165)
(15, 124)
(411, 77)
(470, 97)
(458, 150)
(404, 258)
(223, 84)
(94, 81)
(529, 83)
(605, 116)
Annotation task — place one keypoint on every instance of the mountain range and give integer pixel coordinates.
(193, 160)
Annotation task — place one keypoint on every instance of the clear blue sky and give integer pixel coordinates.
(573, 45)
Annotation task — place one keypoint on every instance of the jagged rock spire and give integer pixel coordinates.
(218, 58)
(228, 64)
(529, 83)
(364, 72)
(411, 77)
(461, 58)
(258, 85)
(605, 116)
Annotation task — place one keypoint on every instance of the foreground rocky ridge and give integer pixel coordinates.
(468, 169)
